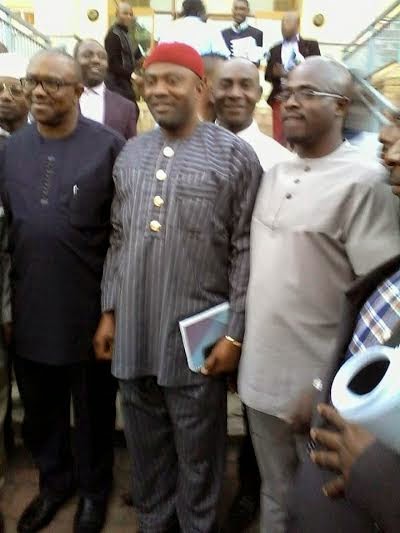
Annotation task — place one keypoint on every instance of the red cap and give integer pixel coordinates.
(178, 54)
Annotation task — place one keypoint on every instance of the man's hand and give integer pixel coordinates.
(104, 338)
(342, 448)
(300, 418)
(223, 359)
(279, 71)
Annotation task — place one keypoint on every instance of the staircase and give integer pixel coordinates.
(374, 60)
(19, 36)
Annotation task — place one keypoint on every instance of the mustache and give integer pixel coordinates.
(286, 115)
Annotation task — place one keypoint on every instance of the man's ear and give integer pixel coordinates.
(212, 96)
(79, 90)
(342, 107)
(201, 86)
(260, 92)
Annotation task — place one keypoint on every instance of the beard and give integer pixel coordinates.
(53, 120)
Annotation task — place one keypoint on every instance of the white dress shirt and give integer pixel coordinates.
(268, 151)
(92, 103)
(290, 54)
(238, 28)
(202, 36)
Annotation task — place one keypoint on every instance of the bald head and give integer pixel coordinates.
(238, 67)
(325, 74)
(124, 14)
(212, 63)
(315, 100)
(236, 91)
(53, 88)
(65, 62)
(290, 25)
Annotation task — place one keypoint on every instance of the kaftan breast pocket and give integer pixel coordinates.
(89, 206)
(195, 209)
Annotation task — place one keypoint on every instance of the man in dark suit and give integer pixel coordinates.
(58, 212)
(97, 102)
(123, 55)
(241, 29)
(282, 58)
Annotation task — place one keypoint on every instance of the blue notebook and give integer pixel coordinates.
(200, 332)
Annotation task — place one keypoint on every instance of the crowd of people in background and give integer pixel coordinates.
(108, 239)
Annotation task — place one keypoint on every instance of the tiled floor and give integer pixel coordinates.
(21, 486)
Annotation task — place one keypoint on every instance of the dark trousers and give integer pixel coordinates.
(249, 474)
(176, 439)
(46, 392)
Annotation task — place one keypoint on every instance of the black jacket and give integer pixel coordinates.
(122, 57)
(230, 35)
(306, 49)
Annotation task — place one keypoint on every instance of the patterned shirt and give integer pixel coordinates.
(378, 316)
(180, 244)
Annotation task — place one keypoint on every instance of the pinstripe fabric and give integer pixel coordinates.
(176, 439)
(200, 256)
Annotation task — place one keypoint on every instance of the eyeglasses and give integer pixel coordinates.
(15, 89)
(49, 86)
(304, 95)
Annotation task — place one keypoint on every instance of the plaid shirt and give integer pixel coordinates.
(378, 316)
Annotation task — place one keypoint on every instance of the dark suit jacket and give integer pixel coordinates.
(120, 114)
(306, 49)
(372, 501)
(122, 57)
(230, 35)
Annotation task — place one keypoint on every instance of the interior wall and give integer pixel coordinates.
(344, 19)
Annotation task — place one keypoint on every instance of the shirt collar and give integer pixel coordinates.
(98, 90)
(4, 133)
(241, 27)
(293, 40)
(247, 132)
(251, 130)
(191, 17)
(344, 147)
(123, 28)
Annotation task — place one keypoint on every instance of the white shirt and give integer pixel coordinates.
(238, 28)
(290, 48)
(92, 103)
(203, 37)
(317, 225)
(269, 151)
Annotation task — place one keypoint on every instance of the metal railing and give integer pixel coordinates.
(370, 110)
(368, 113)
(19, 36)
(378, 45)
